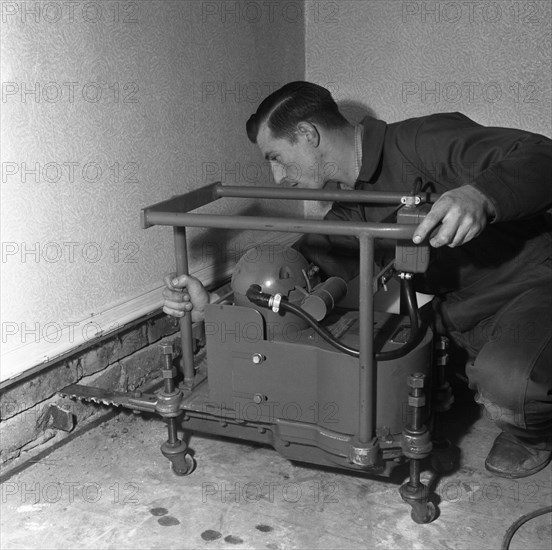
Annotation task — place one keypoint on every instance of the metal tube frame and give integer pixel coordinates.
(176, 212)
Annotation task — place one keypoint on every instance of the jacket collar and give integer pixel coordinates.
(372, 147)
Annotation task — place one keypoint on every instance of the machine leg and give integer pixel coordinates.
(176, 451)
(417, 446)
(444, 454)
(168, 406)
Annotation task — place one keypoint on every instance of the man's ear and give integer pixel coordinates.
(309, 132)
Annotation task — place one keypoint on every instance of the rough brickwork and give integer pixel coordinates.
(160, 327)
(126, 361)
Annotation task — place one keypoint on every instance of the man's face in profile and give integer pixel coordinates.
(293, 163)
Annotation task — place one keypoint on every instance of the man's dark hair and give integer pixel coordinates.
(291, 104)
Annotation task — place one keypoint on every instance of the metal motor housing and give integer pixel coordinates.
(277, 269)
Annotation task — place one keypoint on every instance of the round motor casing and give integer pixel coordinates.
(277, 269)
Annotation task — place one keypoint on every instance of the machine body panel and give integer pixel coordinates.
(301, 378)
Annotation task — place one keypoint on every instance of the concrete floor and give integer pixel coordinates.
(112, 488)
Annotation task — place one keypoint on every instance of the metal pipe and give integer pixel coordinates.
(172, 432)
(415, 471)
(182, 203)
(287, 225)
(181, 254)
(337, 195)
(367, 379)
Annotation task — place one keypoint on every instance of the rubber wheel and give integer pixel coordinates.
(443, 464)
(429, 516)
(445, 457)
(191, 466)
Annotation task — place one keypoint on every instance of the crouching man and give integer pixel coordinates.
(490, 233)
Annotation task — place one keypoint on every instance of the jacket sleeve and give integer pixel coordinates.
(513, 168)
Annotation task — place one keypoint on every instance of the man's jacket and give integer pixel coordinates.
(439, 152)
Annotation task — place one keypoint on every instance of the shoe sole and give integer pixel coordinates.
(526, 473)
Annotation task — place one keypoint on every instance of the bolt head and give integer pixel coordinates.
(259, 398)
(257, 358)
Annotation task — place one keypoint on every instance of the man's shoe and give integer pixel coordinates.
(510, 458)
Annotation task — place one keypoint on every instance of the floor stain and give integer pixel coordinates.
(264, 528)
(168, 521)
(159, 511)
(210, 535)
(233, 540)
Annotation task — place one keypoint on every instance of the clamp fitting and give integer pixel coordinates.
(416, 444)
(168, 404)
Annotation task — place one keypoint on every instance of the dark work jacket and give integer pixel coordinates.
(436, 153)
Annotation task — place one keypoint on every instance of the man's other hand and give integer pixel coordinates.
(463, 214)
(183, 294)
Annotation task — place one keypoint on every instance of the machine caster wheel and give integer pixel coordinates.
(443, 458)
(190, 466)
(428, 517)
(442, 465)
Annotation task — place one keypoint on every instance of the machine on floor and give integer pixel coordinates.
(288, 362)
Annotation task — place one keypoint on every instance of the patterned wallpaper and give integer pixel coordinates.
(396, 59)
(110, 106)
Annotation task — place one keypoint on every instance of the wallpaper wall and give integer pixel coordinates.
(111, 106)
(396, 59)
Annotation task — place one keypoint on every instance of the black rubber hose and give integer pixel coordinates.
(328, 336)
(415, 333)
(517, 524)
(255, 295)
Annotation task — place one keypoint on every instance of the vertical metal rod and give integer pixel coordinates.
(414, 472)
(366, 336)
(172, 430)
(417, 412)
(168, 383)
(181, 254)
